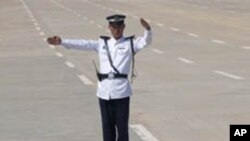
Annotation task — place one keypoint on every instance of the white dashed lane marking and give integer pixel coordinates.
(36, 24)
(136, 17)
(160, 24)
(232, 76)
(51, 46)
(192, 35)
(157, 51)
(33, 20)
(246, 47)
(218, 41)
(143, 133)
(69, 64)
(42, 33)
(85, 80)
(187, 61)
(38, 28)
(174, 29)
(58, 54)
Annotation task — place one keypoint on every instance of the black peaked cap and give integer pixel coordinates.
(117, 18)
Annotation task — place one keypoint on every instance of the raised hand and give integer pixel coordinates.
(55, 40)
(145, 24)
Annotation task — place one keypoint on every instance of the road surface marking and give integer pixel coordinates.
(160, 24)
(52, 46)
(38, 28)
(33, 20)
(42, 33)
(218, 41)
(187, 61)
(100, 26)
(228, 75)
(36, 24)
(143, 133)
(85, 80)
(192, 35)
(69, 64)
(136, 17)
(157, 51)
(246, 47)
(58, 54)
(174, 29)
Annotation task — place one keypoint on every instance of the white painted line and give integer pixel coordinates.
(187, 61)
(69, 64)
(157, 51)
(36, 24)
(33, 20)
(136, 17)
(192, 35)
(38, 28)
(100, 26)
(52, 46)
(174, 29)
(218, 41)
(160, 24)
(42, 33)
(228, 75)
(58, 54)
(85, 80)
(246, 47)
(28, 10)
(143, 133)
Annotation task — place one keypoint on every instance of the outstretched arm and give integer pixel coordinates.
(146, 39)
(145, 24)
(74, 44)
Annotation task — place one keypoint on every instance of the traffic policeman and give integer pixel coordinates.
(116, 56)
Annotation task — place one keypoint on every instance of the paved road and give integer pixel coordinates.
(193, 81)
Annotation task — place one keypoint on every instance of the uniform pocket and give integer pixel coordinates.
(123, 50)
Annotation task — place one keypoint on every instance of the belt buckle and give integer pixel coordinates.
(111, 75)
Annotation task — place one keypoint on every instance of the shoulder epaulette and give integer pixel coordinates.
(105, 37)
(130, 37)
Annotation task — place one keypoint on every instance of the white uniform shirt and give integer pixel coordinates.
(121, 55)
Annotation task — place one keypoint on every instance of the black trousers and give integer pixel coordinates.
(115, 118)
